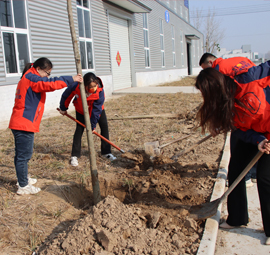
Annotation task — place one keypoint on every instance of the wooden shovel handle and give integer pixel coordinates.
(177, 140)
(94, 132)
(191, 147)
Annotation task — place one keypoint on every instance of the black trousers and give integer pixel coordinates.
(77, 138)
(242, 154)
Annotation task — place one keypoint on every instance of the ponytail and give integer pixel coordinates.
(26, 68)
(42, 63)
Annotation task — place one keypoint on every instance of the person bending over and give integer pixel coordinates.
(95, 100)
(240, 105)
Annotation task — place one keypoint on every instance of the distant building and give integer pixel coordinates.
(267, 56)
(245, 51)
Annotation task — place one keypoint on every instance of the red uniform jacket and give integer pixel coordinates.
(254, 92)
(95, 101)
(233, 66)
(30, 98)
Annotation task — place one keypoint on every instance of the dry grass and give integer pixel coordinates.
(186, 81)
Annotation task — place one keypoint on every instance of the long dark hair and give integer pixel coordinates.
(88, 78)
(42, 63)
(218, 110)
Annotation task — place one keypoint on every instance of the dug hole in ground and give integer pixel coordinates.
(144, 207)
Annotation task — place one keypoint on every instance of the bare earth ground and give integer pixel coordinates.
(145, 200)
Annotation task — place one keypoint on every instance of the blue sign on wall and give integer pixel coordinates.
(167, 16)
(186, 3)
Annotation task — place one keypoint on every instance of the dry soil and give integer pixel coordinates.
(145, 200)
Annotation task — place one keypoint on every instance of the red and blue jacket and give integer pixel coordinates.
(233, 66)
(95, 101)
(254, 92)
(30, 99)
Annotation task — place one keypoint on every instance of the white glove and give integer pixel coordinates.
(63, 112)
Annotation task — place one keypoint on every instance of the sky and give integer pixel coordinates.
(244, 28)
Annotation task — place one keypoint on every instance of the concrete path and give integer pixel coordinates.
(156, 90)
(247, 240)
(240, 241)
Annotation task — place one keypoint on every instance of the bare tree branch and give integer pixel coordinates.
(210, 27)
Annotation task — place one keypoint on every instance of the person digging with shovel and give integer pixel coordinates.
(230, 67)
(241, 104)
(95, 100)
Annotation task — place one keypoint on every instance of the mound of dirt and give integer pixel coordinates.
(122, 229)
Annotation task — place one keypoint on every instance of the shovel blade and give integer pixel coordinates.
(152, 148)
(204, 211)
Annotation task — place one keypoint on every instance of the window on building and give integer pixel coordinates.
(146, 40)
(175, 6)
(182, 48)
(194, 53)
(198, 53)
(14, 32)
(85, 34)
(161, 35)
(173, 45)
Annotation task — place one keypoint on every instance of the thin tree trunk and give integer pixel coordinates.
(92, 156)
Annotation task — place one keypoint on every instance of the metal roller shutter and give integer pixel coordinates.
(120, 55)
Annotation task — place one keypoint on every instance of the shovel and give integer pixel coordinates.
(204, 211)
(154, 149)
(94, 132)
(175, 157)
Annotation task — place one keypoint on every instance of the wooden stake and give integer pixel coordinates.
(92, 156)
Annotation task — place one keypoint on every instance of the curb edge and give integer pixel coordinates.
(208, 241)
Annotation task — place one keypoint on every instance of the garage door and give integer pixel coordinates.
(120, 55)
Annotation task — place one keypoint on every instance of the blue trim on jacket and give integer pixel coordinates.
(249, 136)
(31, 103)
(35, 78)
(97, 109)
(66, 94)
(254, 73)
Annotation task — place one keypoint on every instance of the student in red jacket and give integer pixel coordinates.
(27, 113)
(231, 67)
(95, 99)
(242, 105)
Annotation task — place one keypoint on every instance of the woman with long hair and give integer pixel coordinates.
(240, 105)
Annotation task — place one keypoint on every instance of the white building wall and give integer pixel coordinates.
(145, 79)
(7, 101)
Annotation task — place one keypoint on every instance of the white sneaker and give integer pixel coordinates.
(109, 156)
(254, 180)
(31, 181)
(74, 161)
(249, 183)
(27, 190)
